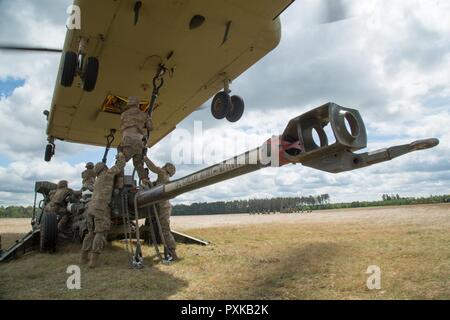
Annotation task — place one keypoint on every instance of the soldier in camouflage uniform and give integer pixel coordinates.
(58, 203)
(88, 177)
(164, 208)
(98, 213)
(136, 126)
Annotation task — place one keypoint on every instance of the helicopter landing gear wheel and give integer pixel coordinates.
(90, 73)
(49, 232)
(221, 105)
(70, 66)
(237, 109)
(49, 152)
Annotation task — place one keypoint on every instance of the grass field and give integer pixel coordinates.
(322, 255)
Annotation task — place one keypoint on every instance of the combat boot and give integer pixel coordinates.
(93, 261)
(84, 259)
(170, 255)
(174, 255)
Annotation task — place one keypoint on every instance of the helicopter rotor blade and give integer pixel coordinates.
(29, 49)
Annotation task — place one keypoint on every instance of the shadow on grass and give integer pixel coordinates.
(44, 276)
(287, 274)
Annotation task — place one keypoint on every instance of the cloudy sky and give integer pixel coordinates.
(389, 59)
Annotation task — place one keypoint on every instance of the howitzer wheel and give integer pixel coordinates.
(49, 232)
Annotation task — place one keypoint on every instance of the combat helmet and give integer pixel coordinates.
(99, 167)
(89, 165)
(63, 184)
(133, 101)
(170, 168)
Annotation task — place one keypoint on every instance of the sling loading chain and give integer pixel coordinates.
(158, 83)
(136, 261)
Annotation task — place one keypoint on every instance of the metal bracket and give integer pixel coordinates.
(137, 11)
(226, 85)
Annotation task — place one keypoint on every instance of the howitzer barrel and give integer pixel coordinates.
(245, 163)
(296, 145)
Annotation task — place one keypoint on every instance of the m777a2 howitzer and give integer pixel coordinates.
(296, 145)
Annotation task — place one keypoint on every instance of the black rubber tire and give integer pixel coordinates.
(70, 65)
(49, 232)
(90, 74)
(221, 105)
(49, 152)
(237, 109)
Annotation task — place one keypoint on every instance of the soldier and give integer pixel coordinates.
(136, 126)
(88, 177)
(164, 208)
(98, 213)
(58, 203)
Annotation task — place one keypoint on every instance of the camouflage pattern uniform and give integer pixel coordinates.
(136, 126)
(98, 213)
(164, 207)
(88, 177)
(58, 204)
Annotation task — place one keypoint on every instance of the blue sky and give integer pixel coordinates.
(8, 85)
(390, 60)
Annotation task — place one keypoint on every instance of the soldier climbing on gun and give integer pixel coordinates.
(136, 126)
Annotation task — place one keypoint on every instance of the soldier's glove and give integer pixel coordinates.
(120, 157)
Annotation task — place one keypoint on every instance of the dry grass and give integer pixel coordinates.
(303, 259)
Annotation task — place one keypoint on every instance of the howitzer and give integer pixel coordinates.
(306, 141)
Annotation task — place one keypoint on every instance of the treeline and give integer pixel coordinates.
(16, 212)
(293, 204)
(389, 200)
(252, 206)
(298, 204)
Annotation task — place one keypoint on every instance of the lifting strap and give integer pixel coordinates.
(109, 140)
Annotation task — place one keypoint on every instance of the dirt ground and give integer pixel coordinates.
(319, 255)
